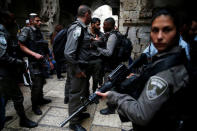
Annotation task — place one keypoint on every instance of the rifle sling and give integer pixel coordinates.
(154, 68)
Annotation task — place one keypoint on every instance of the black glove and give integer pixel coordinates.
(126, 85)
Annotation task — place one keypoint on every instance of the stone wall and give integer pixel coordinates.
(50, 15)
(136, 15)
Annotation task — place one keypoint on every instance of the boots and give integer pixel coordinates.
(36, 110)
(77, 127)
(25, 122)
(107, 111)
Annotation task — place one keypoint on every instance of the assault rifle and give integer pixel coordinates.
(115, 77)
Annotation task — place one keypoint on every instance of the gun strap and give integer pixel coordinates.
(160, 65)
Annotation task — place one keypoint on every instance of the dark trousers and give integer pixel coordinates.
(79, 87)
(67, 85)
(59, 69)
(37, 89)
(96, 72)
(2, 112)
(12, 91)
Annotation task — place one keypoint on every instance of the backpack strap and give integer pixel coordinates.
(160, 65)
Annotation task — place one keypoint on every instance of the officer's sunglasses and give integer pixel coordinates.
(37, 20)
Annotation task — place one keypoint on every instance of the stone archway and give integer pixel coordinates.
(104, 12)
(114, 4)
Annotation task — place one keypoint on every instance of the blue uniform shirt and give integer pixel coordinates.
(151, 50)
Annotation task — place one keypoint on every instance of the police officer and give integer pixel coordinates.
(77, 55)
(159, 106)
(32, 43)
(8, 66)
(109, 53)
(192, 39)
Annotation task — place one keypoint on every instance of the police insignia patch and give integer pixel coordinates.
(156, 86)
(3, 45)
(77, 33)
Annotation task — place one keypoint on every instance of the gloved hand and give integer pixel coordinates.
(126, 85)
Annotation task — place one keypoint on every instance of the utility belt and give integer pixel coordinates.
(37, 66)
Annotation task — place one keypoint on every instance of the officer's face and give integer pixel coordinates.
(193, 30)
(163, 32)
(87, 18)
(107, 26)
(37, 22)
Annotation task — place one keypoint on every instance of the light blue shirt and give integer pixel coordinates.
(151, 50)
(184, 45)
(195, 38)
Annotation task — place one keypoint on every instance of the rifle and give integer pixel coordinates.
(115, 77)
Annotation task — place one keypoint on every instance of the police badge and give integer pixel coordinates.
(3, 45)
(156, 86)
(77, 32)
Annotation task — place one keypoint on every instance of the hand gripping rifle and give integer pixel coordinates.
(115, 77)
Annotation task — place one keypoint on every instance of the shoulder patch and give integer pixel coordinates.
(77, 32)
(156, 86)
(3, 40)
(25, 30)
(3, 45)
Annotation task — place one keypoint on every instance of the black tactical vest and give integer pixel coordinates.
(38, 44)
(83, 49)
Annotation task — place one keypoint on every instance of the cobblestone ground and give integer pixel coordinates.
(55, 112)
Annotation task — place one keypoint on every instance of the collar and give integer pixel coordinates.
(33, 28)
(175, 49)
(83, 24)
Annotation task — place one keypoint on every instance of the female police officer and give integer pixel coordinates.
(153, 109)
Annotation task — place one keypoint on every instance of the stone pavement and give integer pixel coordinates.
(55, 112)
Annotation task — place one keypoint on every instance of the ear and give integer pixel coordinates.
(86, 14)
(31, 21)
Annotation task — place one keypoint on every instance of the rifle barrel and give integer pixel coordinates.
(74, 114)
